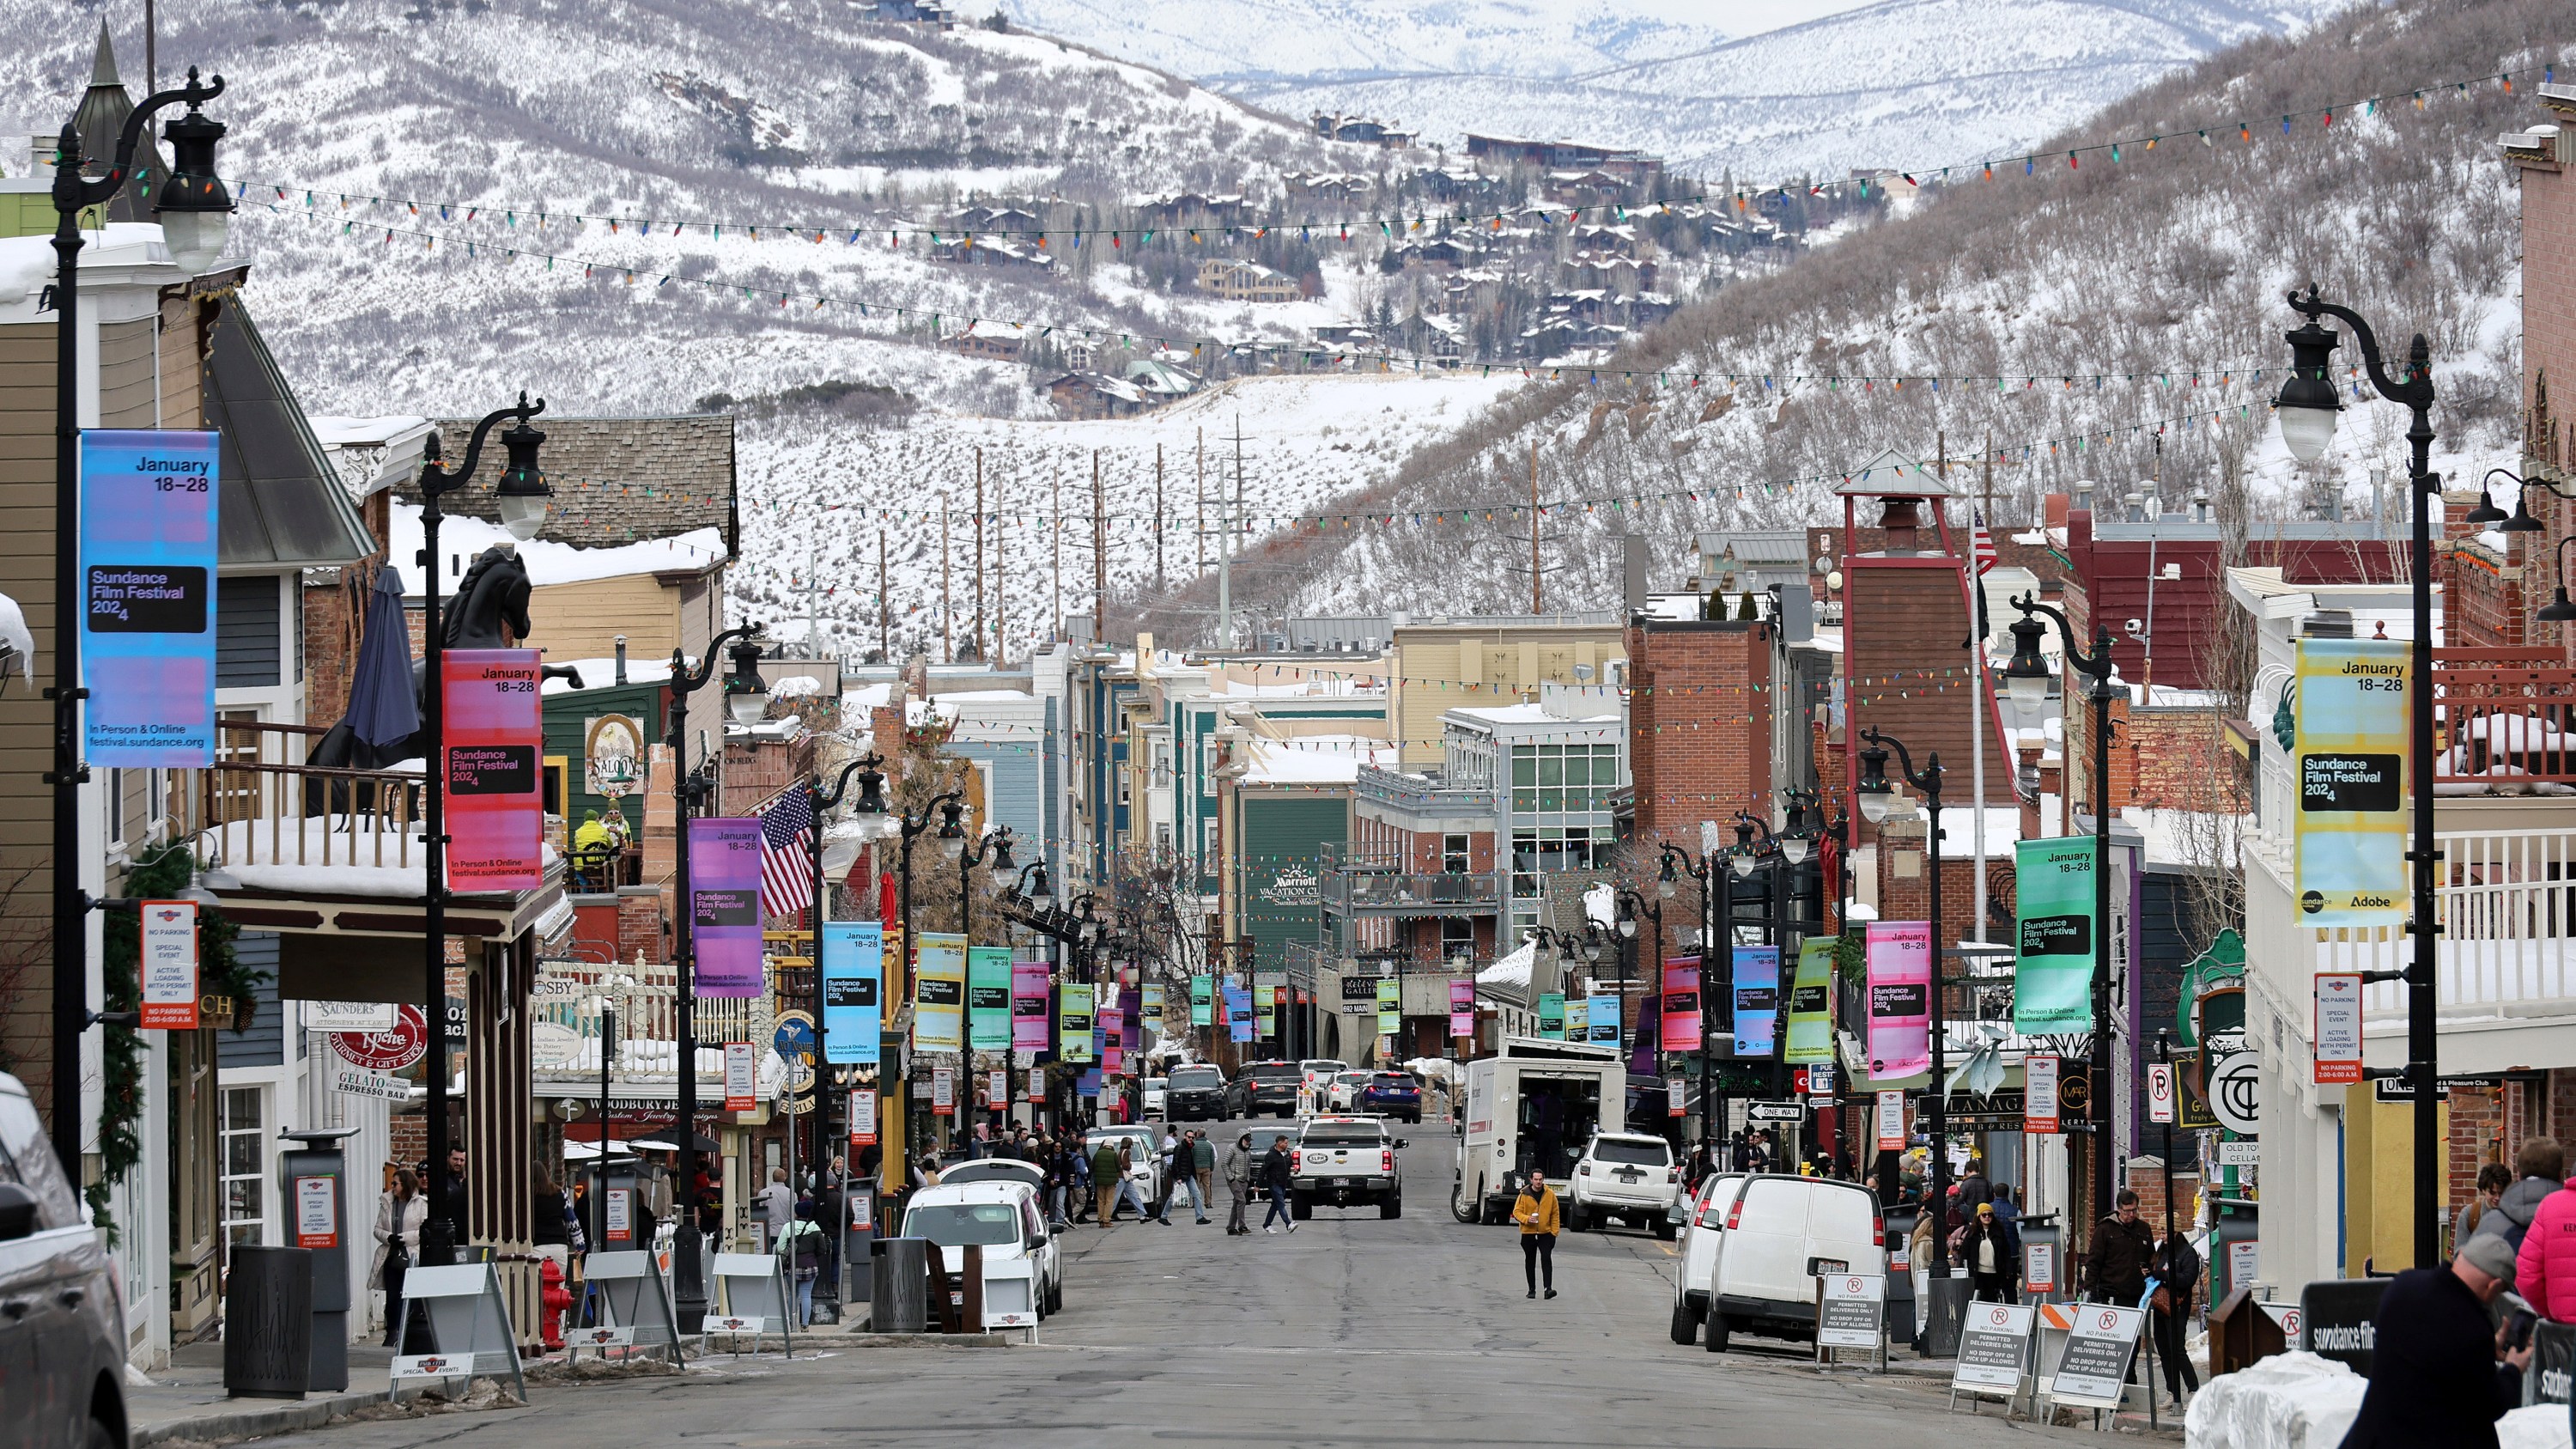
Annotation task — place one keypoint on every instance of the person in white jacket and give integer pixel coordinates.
(399, 1214)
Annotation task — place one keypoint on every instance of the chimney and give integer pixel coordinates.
(1902, 521)
(2200, 505)
(621, 659)
(2084, 495)
(2137, 505)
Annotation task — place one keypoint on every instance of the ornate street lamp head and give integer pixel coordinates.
(194, 209)
(2309, 402)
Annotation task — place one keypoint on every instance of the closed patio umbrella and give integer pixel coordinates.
(383, 712)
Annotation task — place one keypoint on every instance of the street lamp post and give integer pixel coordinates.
(2307, 407)
(1877, 796)
(2027, 676)
(746, 699)
(192, 206)
(523, 492)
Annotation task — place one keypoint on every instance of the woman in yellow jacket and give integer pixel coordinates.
(1535, 1211)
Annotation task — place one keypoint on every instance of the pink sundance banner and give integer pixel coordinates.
(1681, 1005)
(1462, 1008)
(1900, 998)
(724, 906)
(1113, 1046)
(496, 811)
(1029, 1006)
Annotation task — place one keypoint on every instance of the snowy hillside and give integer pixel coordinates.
(816, 502)
(1770, 92)
(2144, 294)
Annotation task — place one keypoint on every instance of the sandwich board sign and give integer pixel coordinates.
(755, 1297)
(470, 1323)
(1851, 1312)
(1994, 1350)
(2101, 1342)
(635, 1306)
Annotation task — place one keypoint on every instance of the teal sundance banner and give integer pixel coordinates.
(2053, 982)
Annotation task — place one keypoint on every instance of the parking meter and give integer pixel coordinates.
(314, 1177)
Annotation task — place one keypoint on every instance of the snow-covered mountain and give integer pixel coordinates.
(1769, 91)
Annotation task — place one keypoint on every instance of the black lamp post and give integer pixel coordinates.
(746, 699)
(192, 206)
(1877, 802)
(2307, 407)
(2027, 677)
(523, 493)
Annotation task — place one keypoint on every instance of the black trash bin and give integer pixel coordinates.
(900, 1300)
(268, 1323)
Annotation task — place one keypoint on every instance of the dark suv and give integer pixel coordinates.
(1194, 1094)
(1264, 1087)
(59, 1314)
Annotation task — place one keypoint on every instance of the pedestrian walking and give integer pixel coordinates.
(1921, 1247)
(1185, 1177)
(2441, 1373)
(2539, 1166)
(1173, 1179)
(1989, 1262)
(777, 1206)
(1274, 1176)
(399, 1214)
(2545, 1266)
(2116, 1271)
(2493, 1179)
(2176, 1269)
(1238, 1183)
(1536, 1211)
(1128, 1191)
(1203, 1168)
(1105, 1178)
(1081, 1190)
(801, 1244)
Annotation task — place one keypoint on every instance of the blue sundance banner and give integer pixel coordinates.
(147, 590)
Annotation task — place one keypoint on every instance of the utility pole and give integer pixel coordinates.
(977, 639)
(1225, 545)
(813, 592)
(1099, 555)
(1538, 600)
(1055, 537)
(885, 606)
(947, 617)
(1201, 485)
(1158, 519)
(1001, 573)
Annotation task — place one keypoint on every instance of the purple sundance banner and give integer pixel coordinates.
(724, 906)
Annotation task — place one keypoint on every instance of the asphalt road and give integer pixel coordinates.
(1351, 1331)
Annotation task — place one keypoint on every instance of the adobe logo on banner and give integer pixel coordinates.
(495, 796)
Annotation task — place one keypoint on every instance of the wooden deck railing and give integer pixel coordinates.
(259, 804)
(2507, 719)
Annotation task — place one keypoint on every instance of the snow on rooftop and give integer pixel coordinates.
(462, 540)
(375, 432)
(602, 673)
(1315, 759)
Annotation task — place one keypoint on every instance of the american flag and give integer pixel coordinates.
(1981, 544)
(787, 854)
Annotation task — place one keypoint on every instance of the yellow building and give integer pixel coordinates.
(1441, 666)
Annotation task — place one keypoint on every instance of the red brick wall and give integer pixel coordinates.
(639, 927)
(1699, 745)
(2176, 759)
(2477, 1138)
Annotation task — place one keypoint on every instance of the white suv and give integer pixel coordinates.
(1624, 1175)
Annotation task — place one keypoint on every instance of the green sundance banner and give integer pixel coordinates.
(1551, 1015)
(2350, 759)
(2053, 984)
(1811, 1003)
(1073, 1023)
(988, 998)
(1390, 1005)
(1202, 1001)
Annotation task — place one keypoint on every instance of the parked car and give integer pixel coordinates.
(1316, 1073)
(1702, 1225)
(1392, 1094)
(1345, 1161)
(1003, 1218)
(1263, 1088)
(1147, 1166)
(1344, 1093)
(1779, 1233)
(994, 1169)
(1156, 1097)
(62, 1331)
(1627, 1176)
(1194, 1093)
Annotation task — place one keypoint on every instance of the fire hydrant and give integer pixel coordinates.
(553, 1299)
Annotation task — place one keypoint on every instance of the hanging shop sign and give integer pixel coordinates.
(939, 992)
(2236, 1093)
(1757, 999)
(147, 569)
(2350, 761)
(2053, 978)
(496, 811)
(1073, 1022)
(1900, 998)
(2338, 1028)
(386, 1051)
(724, 906)
(853, 992)
(988, 998)
(1029, 1006)
(169, 967)
(1811, 1003)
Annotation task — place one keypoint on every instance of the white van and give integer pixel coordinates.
(1532, 1108)
(1779, 1233)
(1002, 1218)
(1703, 1224)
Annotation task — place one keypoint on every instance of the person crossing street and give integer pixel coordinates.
(1238, 1183)
(1536, 1211)
(1274, 1175)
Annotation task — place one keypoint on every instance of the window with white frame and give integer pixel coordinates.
(243, 1126)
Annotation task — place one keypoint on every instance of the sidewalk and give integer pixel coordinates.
(187, 1400)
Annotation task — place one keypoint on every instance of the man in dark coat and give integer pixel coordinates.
(2439, 1373)
(2116, 1269)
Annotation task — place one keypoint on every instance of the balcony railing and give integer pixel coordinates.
(261, 805)
(1439, 891)
(2506, 900)
(648, 1017)
(2508, 721)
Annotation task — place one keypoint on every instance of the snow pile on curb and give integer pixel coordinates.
(2301, 1401)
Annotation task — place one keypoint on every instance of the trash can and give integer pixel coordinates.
(268, 1323)
(1943, 1316)
(899, 1301)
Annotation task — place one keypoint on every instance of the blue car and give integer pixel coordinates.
(1392, 1094)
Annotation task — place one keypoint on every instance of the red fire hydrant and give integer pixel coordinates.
(553, 1298)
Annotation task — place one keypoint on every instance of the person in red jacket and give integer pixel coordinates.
(2544, 1271)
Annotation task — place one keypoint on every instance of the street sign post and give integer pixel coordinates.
(2338, 1028)
(1891, 1121)
(2160, 1093)
(2039, 1095)
(741, 1083)
(1789, 1111)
